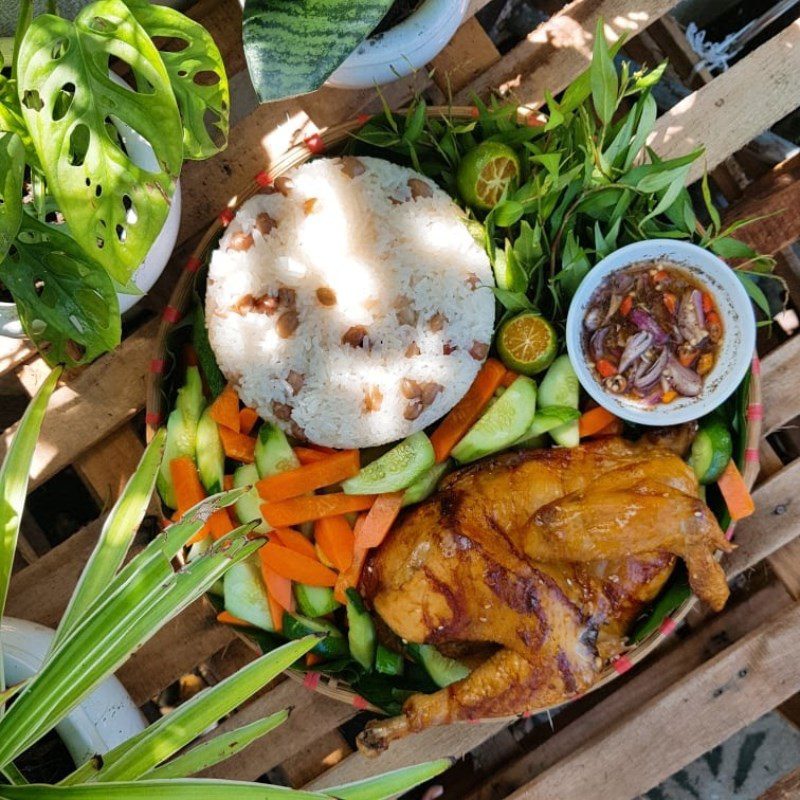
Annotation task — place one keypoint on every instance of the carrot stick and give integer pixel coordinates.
(276, 612)
(247, 420)
(509, 378)
(312, 659)
(225, 409)
(594, 420)
(308, 455)
(453, 427)
(237, 446)
(293, 566)
(294, 540)
(352, 575)
(613, 428)
(737, 497)
(297, 510)
(379, 520)
(188, 491)
(296, 482)
(227, 482)
(229, 619)
(334, 536)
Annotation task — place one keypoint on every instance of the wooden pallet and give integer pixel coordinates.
(727, 669)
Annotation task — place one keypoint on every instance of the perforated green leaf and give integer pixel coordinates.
(12, 168)
(66, 302)
(115, 208)
(197, 74)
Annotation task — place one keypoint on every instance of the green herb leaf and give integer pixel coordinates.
(415, 122)
(197, 74)
(754, 291)
(710, 207)
(292, 46)
(66, 301)
(12, 170)
(513, 301)
(647, 119)
(508, 272)
(114, 206)
(728, 247)
(14, 486)
(508, 213)
(603, 77)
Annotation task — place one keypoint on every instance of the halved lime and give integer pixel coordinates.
(486, 172)
(711, 451)
(527, 343)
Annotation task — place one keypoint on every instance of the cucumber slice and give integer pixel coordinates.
(424, 486)
(395, 470)
(246, 595)
(443, 670)
(334, 645)
(248, 506)
(388, 662)
(315, 601)
(502, 424)
(210, 455)
(361, 630)
(560, 387)
(181, 431)
(548, 418)
(711, 451)
(273, 453)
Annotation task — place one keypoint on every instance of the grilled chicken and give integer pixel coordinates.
(546, 555)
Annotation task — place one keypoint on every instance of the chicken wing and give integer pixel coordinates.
(549, 555)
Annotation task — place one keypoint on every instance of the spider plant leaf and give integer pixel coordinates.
(115, 207)
(12, 774)
(145, 751)
(218, 749)
(65, 300)
(176, 789)
(14, 486)
(12, 171)
(293, 46)
(390, 784)
(117, 626)
(197, 74)
(115, 538)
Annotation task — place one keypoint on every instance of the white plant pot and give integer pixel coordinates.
(141, 153)
(403, 49)
(106, 718)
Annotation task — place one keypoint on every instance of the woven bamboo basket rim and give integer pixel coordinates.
(317, 144)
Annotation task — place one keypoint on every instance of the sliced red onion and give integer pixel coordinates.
(646, 379)
(634, 347)
(684, 380)
(691, 318)
(614, 304)
(623, 282)
(697, 299)
(654, 398)
(593, 318)
(644, 322)
(597, 343)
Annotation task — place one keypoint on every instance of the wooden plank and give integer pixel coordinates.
(40, 593)
(711, 703)
(787, 788)
(556, 52)
(14, 352)
(315, 758)
(781, 385)
(736, 106)
(648, 679)
(100, 399)
(106, 467)
(785, 564)
(312, 715)
(778, 194)
(469, 53)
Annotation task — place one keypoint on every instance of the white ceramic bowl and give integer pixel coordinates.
(738, 324)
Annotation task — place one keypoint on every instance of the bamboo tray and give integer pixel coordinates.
(327, 141)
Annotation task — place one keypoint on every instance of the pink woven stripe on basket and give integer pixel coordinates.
(157, 366)
(263, 178)
(311, 680)
(730, 531)
(622, 665)
(153, 418)
(755, 411)
(667, 626)
(171, 315)
(751, 455)
(192, 264)
(226, 217)
(315, 144)
(363, 119)
(360, 703)
(756, 365)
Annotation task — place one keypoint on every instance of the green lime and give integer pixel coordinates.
(486, 172)
(527, 343)
(711, 451)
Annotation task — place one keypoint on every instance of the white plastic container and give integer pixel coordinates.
(736, 347)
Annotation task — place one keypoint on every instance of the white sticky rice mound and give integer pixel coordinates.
(369, 241)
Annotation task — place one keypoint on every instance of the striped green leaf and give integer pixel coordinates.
(115, 538)
(14, 486)
(12, 169)
(185, 789)
(117, 626)
(390, 784)
(292, 46)
(164, 738)
(217, 749)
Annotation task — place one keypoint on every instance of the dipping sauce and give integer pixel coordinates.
(652, 332)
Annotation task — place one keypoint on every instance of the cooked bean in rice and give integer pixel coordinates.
(350, 304)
